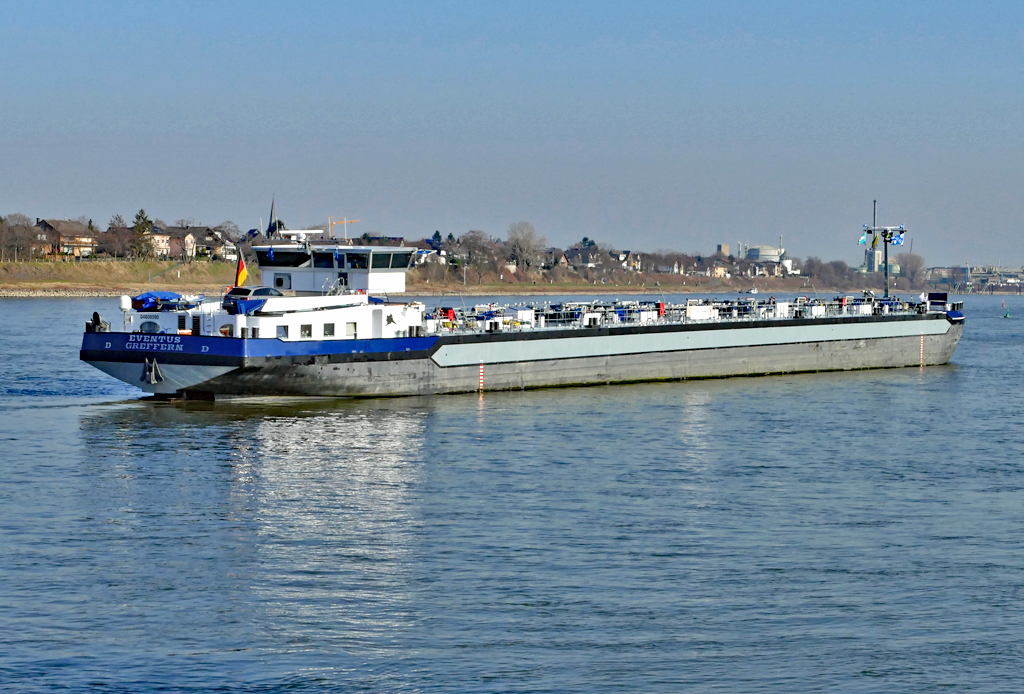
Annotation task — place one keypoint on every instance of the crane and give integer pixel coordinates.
(344, 221)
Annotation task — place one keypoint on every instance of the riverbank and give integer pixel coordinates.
(115, 278)
(110, 278)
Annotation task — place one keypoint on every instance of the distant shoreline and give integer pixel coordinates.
(74, 291)
(110, 279)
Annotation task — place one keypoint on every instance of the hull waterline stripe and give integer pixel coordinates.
(447, 355)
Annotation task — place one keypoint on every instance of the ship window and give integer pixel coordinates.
(381, 260)
(195, 325)
(357, 261)
(350, 330)
(306, 331)
(255, 332)
(282, 332)
(243, 332)
(328, 329)
(401, 260)
(325, 260)
(282, 281)
(149, 327)
(282, 258)
(182, 321)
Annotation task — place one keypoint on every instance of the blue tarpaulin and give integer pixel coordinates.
(150, 300)
(162, 296)
(244, 306)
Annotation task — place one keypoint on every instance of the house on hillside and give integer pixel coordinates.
(160, 242)
(627, 260)
(634, 262)
(180, 242)
(44, 242)
(584, 257)
(213, 244)
(554, 257)
(672, 269)
(719, 270)
(427, 253)
(67, 237)
(382, 240)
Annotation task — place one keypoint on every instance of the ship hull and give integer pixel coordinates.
(535, 359)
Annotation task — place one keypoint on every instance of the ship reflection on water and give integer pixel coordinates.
(296, 512)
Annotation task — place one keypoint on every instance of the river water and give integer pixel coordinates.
(827, 532)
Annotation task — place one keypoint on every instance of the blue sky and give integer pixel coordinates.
(647, 125)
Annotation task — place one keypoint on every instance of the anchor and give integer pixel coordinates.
(151, 372)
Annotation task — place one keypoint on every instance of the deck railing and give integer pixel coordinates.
(578, 315)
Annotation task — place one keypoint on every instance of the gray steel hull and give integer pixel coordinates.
(174, 377)
(928, 343)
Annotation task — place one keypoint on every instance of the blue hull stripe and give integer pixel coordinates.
(238, 348)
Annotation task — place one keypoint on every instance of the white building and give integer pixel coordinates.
(764, 254)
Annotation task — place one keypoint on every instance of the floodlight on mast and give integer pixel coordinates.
(887, 235)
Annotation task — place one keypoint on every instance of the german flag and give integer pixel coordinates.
(240, 273)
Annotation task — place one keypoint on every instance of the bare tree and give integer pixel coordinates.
(117, 239)
(835, 274)
(185, 222)
(911, 267)
(524, 246)
(19, 242)
(17, 219)
(230, 229)
(480, 252)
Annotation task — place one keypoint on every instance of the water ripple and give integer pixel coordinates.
(831, 532)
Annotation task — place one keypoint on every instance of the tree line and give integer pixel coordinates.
(523, 255)
(20, 238)
(479, 257)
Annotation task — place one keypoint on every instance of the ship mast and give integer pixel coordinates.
(887, 235)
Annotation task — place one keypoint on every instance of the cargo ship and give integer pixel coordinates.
(328, 319)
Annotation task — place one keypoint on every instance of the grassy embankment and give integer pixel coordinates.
(116, 278)
(103, 278)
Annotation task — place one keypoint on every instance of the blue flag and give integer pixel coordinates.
(898, 240)
(863, 239)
